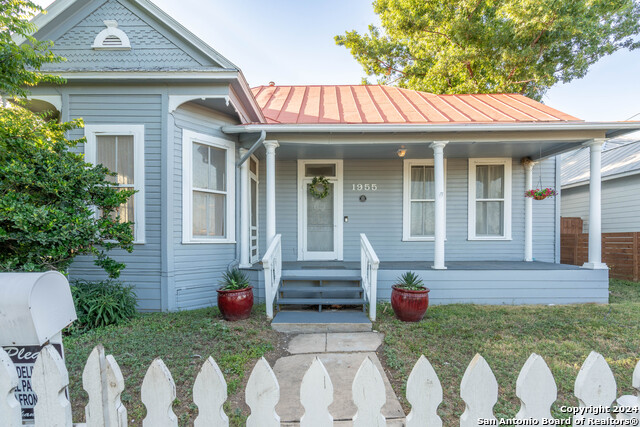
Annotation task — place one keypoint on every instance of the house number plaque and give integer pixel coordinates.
(365, 187)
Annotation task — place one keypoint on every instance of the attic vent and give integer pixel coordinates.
(112, 41)
(111, 38)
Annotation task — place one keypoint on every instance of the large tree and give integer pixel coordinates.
(19, 63)
(491, 46)
(53, 205)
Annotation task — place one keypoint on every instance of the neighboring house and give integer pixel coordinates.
(620, 185)
(428, 183)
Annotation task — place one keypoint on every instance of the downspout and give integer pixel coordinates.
(254, 147)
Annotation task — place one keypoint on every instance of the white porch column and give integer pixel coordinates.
(271, 189)
(244, 213)
(440, 227)
(595, 209)
(528, 210)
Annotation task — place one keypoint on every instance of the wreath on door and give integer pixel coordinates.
(319, 187)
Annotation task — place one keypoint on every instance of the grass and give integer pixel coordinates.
(183, 340)
(449, 336)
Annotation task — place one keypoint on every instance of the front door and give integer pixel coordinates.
(319, 218)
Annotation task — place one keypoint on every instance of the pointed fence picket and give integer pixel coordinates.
(595, 387)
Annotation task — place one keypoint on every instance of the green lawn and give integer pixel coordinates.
(505, 336)
(449, 336)
(183, 340)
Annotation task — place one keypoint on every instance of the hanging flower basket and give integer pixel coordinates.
(539, 194)
(319, 187)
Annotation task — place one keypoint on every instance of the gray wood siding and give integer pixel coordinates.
(380, 217)
(507, 286)
(620, 204)
(144, 264)
(198, 267)
(152, 47)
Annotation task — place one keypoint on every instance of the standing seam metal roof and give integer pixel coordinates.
(378, 104)
(619, 156)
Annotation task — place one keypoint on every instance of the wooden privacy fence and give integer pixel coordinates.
(595, 388)
(620, 251)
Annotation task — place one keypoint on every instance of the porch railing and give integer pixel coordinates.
(272, 265)
(369, 264)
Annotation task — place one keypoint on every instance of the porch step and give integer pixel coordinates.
(317, 278)
(321, 301)
(318, 289)
(327, 321)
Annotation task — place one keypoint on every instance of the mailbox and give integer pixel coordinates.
(34, 309)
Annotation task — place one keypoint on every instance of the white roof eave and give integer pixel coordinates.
(618, 127)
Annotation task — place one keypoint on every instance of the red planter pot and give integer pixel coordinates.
(409, 306)
(236, 304)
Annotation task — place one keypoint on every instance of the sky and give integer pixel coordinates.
(291, 42)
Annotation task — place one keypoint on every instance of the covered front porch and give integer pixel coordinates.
(369, 234)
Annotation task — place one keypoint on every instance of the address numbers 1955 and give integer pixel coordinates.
(365, 187)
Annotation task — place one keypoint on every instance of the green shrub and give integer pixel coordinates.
(101, 303)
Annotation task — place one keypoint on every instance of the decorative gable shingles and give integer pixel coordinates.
(150, 50)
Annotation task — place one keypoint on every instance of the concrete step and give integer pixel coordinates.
(326, 321)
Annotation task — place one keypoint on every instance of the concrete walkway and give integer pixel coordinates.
(341, 354)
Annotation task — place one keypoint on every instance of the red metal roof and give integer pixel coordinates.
(377, 104)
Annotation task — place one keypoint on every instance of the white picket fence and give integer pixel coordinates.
(595, 387)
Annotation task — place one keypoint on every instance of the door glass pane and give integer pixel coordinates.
(422, 218)
(320, 224)
(217, 166)
(490, 218)
(422, 182)
(254, 203)
(125, 159)
(106, 154)
(320, 170)
(253, 166)
(200, 165)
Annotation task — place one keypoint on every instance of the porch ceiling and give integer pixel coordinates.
(369, 147)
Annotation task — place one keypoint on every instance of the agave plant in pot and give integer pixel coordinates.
(235, 295)
(409, 298)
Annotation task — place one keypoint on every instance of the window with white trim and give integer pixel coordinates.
(120, 148)
(208, 165)
(490, 199)
(419, 200)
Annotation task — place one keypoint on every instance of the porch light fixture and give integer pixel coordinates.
(401, 152)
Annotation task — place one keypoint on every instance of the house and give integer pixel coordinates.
(416, 181)
(620, 185)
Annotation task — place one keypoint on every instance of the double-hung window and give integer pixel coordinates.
(120, 148)
(208, 188)
(489, 199)
(419, 200)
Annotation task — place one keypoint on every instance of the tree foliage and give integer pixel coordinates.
(49, 198)
(490, 46)
(19, 64)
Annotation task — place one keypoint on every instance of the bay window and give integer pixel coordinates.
(208, 189)
(120, 148)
